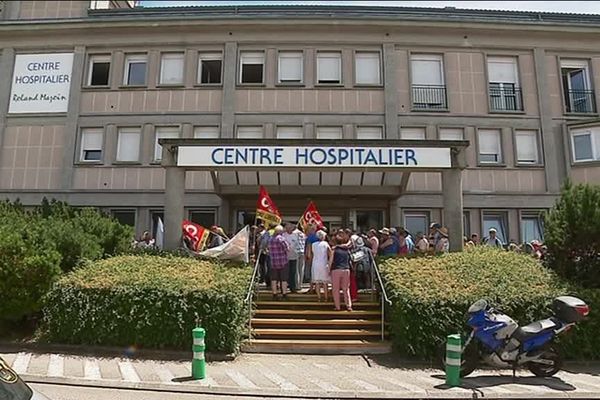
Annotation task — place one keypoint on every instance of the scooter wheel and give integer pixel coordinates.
(551, 363)
(469, 360)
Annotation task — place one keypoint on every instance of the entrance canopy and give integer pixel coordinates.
(381, 168)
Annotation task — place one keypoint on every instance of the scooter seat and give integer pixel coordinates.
(525, 332)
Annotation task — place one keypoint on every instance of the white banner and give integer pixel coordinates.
(41, 83)
(235, 249)
(215, 157)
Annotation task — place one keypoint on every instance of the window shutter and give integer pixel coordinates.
(369, 133)
(253, 58)
(329, 67)
(290, 67)
(92, 140)
(329, 132)
(250, 132)
(412, 133)
(582, 147)
(526, 142)
(367, 68)
(128, 146)
(451, 134)
(489, 142)
(290, 132)
(427, 70)
(206, 132)
(171, 69)
(502, 70)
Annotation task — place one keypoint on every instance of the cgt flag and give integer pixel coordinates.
(266, 209)
(311, 216)
(195, 234)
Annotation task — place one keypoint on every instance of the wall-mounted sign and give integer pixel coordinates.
(224, 157)
(41, 83)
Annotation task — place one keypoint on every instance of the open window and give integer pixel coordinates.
(209, 68)
(578, 93)
(252, 67)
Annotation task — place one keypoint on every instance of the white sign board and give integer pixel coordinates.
(41, 83)
(223, 157)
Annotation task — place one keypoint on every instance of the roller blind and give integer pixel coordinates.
(426, 69)
(206, 132)
(369, 133)
(367, 68)
(128, 144)
(171, 68)
(290, 132)
(502, 70)
(526, 141)
(451, 134)
(252, 57)
(412, 133)
(290, 66)
(329, 132)
(329, 67)
(250, 132)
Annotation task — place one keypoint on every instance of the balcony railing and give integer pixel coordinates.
(429, 97)
(505, 98)
(580, 101)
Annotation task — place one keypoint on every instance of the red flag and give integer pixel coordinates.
(266, 208)
(196, 234)
(311, 216)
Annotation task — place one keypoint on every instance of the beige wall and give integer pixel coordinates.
(32, 157)
(134, 178)
(586, 174)
(53, 9)
(466, 83)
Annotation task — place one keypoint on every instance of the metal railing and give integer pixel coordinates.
(505, 98)
(429, 97)
(580, 101)
(384, 296)
(250, 292)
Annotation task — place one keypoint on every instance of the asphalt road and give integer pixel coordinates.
(60, 392)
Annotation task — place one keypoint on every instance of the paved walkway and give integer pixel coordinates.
(301, 376)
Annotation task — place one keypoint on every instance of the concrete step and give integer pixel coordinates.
(268, 296)
(313, 304)
(314, 323)
(316, 314)
(320, 346)
(296, 333)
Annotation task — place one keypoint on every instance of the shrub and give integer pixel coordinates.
(149, 301)
(582, 342)
(572, 235)
(432, 294)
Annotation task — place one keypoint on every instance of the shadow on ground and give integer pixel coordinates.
(488, 381)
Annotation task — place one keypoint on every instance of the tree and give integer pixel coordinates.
(572, 234)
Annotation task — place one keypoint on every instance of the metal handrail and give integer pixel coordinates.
(383, 295)
(250, 292)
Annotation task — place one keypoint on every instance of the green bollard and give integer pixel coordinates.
(453, 360)
(198, 362)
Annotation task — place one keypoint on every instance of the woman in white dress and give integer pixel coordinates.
(322, 256)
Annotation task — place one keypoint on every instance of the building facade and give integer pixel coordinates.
(88, 88)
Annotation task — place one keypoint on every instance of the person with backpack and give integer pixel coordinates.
(493, 240)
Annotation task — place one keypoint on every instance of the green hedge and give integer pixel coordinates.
(432, 294)
(149, 301)
(582, 342)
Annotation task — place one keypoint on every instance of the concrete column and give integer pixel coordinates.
(229, 82)
(7, 61)
(153, 69)
(310, 131)
(187, 131)
(453, 206)
(348, 131)
(551, 143)
(110, 144)
(310, 59)
(270, 131)
(347, 68)
(395, 214)
(147, 155)
(174, 209)
(191, 68)
(116, 75)
(270, 67)
(73, 116)
(390, 65)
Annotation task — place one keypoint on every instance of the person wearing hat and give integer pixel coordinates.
(218, 236)
(492, 239)
(442, 245)
(389, 244)
(408, 239)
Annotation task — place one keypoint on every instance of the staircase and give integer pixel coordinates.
(302, 325)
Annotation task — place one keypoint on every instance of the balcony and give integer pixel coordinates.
(505, 99)
(580, 101)
(429, 97)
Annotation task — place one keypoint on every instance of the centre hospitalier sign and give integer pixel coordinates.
(273, 157)
(41, 83)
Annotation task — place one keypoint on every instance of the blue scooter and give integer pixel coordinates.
(498, 341)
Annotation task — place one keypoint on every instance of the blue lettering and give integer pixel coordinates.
(360, 153)
(264, 155)
(213, 156)
(229, 156)
(323, 155)
(241, 156)
(382, 158)
(279, 155)
(332, 158)
(370, 158)
(253, 151)
(398, 157)
(303, 155)
(410, 155)
(344, 154)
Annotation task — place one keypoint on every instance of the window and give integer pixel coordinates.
(290, 132)
(412, 133)
(205, 218)
(164, 132)
(427, 78)
(527, 147)
(128, 144)
(329, 132)
(329, 67)
(451, 134)
(125, 217)
(250, 132)
(498, 222)
(367, 68)
(156, 215)
(586, 145)
(251, 67)
(209, 68)
(206, 132)
(135, 70)
(171, 68)
(99, 71)
(91, 144)
(290, 67)
(579, 96)
(416, 222)
(369, 132)
(531, 228)
(490, 146)
(505, 94)
(367, 219)
(467, 224)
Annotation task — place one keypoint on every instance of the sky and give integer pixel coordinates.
(585, 7)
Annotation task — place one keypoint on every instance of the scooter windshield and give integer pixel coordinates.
(479, 305)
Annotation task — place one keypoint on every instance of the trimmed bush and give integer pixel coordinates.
(432, 294)
(149, 301)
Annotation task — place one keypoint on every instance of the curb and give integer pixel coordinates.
(106, 352)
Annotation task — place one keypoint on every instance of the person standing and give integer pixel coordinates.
(442, 245)
(264, 259)
(340, 275)
(278, 253)
(321, 258)
(422, 245)
(493, 240)
(373, 241)
(300, 249)
(292, 240)
(311, 238)
(388, 245)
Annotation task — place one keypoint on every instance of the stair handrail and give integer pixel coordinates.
(250, 292)
(384, 295)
